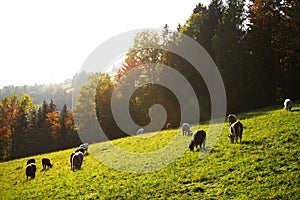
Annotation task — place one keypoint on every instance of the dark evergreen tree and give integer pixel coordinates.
(52, 106)
(263, 37)
(63, 140)
(21, 125)
(200, 9)
(33, 128)
(287, 45)
(229, 46)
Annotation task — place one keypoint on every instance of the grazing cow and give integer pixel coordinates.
(288, 105)
(31, 160)
(30, 170)
(231, 119)
(186, 129)
(236, 131)
(198, 139)
(168, 126)
(140, 131)
(46, 163)
(76, 160)
(85, 146)
(80, 149)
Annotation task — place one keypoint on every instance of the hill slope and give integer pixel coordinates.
(265, 165)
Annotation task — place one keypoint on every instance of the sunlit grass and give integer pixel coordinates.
(265, 165)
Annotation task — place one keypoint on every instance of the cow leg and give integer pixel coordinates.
(73, 166)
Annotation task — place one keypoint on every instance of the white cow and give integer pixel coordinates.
(186, 129)
(140, 131)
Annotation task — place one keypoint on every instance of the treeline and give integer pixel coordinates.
(60, 93)
(26, 129)
(255, 46)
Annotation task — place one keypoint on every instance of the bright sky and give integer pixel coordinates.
(47, 41)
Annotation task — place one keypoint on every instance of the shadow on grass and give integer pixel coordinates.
(296, 110)
(44, 169)
(258, 112)
(215, 150)
(252, 142)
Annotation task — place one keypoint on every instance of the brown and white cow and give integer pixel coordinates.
(236, 131)
(198, 139)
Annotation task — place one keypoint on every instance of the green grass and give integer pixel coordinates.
(265, 166)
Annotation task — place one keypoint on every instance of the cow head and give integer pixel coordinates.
(192, 145)
(231, 136)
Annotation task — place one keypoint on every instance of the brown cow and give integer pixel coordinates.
(198, 139)
(46, 163)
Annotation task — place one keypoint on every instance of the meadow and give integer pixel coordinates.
(265, 166)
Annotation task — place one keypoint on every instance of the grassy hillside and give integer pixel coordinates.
(265, 165)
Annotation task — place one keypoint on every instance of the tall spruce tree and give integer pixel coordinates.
(229, 46)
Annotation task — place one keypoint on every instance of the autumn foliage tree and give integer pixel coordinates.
(26, 129)
(127, 66)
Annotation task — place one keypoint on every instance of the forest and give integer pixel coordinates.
(59, 93)
(255, 45)
(27, 129)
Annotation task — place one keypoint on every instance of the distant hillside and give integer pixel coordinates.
(60, 93)
(265, 166)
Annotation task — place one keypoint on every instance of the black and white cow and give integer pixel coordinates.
(236, 131)
(76, 160)
(31, 160)
(198, 139)
(231, 118)
(288, 105)
(30, 170)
